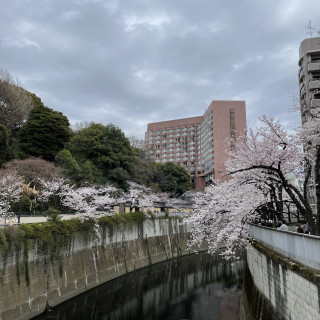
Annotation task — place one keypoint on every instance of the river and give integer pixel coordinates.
(197, 286)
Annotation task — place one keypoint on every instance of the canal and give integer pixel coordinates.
(197, 286)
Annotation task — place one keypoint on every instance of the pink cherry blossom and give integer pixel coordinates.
(261, 172)
(10, 191)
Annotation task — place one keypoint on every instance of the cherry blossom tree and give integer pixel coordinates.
(261, 168)
(143, 197)
(90, 200)
(221, 212)
(51, 188)
(10, 191)
(274, 156)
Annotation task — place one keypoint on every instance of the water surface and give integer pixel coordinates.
(193, 287)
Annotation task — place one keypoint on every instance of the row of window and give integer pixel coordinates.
(208, 136)
(170, 145)
(184, 129)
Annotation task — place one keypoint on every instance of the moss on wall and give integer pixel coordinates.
(254, 305)
(73, 265)
(54, 237)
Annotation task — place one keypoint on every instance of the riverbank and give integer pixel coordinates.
(39, 281)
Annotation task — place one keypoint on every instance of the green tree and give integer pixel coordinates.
(4, 144)
(91, 173)
(173, 179)
(45, 133)
(35, 100)
(144, 168)
(107, 149)
(68, 164)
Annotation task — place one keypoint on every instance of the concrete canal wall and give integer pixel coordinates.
(41, 282)
(278, 287)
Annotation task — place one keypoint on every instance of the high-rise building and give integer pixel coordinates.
(309, 83)
(309, 74)
(199, 143)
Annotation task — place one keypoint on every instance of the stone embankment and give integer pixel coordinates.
(276, 286)
(32, 283)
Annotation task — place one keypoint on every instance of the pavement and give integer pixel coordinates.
(34, 219)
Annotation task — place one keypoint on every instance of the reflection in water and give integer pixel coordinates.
(192, 287)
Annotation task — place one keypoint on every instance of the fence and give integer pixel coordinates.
(300, 247)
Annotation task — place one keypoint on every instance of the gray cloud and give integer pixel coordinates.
(133, 62)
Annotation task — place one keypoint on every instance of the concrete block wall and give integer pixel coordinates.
(287, 290)
(84, 265)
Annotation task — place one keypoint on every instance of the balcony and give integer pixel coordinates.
(301, 73)
(315, 103)
(314, 84)
(313, 66)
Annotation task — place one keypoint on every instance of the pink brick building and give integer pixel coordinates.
(198, 143)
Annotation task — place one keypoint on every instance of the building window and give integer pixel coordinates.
(232, 128)
(316, 96)
(315, 59)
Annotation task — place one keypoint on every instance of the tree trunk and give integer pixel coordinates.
(288, 212)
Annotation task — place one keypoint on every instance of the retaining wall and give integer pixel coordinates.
(84, 264)
(277, 288)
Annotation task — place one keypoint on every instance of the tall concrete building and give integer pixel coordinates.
(198, 143)
(309, 84)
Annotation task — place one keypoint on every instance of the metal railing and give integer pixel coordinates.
(299, 247)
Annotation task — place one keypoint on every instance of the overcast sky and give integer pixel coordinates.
(131, 62)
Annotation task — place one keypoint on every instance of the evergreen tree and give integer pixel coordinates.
(104, 153)
(173, 179)
(4, 144)
(45, 133)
